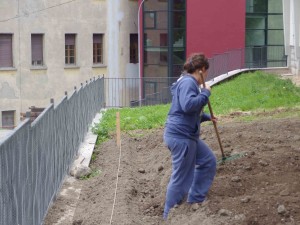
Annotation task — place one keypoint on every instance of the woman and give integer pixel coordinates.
(193, 163)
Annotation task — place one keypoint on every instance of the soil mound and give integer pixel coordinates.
(261, 187)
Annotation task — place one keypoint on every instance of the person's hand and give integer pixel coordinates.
(214, 119)
(207, 86)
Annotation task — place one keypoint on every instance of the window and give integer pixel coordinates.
(97, 49)
(150, 20)
(145, 55)
(70, 49)
(163, 47)
(6, 59)
(134, 48)
(264, 33)
(37, 49)
(8, 119)
(179, 4)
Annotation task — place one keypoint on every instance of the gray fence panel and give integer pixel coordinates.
(35, 158)
(11, 175)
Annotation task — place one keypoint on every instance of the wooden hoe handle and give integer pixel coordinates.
(214, 122)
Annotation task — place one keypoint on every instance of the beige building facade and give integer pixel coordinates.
(47, 47)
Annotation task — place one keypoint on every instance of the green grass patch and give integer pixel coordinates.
(256, 91)
(146, 117)
(94, 173)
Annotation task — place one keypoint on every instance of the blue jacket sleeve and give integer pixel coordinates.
(205, 117)
(191, 100)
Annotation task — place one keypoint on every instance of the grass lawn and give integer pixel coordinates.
(255, 92)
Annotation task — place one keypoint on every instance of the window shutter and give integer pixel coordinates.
(37, 47)
(70, 39)
(97, 38)
(8, 118)
(6, 50)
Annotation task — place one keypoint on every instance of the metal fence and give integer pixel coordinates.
(131, 92)
(265, 56)
(35, 158)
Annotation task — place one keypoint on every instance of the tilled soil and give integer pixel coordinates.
(259, 183)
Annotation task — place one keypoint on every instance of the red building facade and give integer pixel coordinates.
(170, 30)
(215, 26)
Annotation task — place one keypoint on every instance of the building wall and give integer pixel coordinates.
(291, 11)
(129, 25)
(122, 21)
(23, 85)
(215, 26)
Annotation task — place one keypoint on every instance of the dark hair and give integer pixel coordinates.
(196, 61)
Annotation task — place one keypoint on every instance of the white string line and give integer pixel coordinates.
(112, 211)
